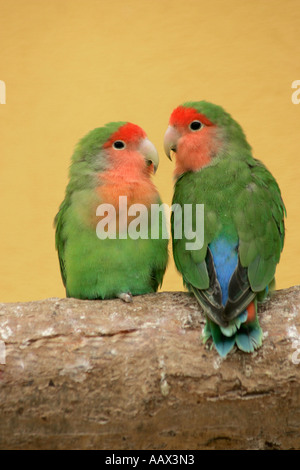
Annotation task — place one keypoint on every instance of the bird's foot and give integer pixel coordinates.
(126, 297)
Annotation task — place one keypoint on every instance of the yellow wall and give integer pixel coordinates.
(72, 65)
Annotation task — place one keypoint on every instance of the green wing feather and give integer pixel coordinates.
(60, 240)
(260, 226)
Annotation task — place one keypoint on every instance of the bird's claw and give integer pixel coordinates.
(126, 297)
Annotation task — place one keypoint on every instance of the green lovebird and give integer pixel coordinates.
(105, 261)
(243, 223)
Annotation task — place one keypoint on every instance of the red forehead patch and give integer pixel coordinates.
(128, 133)
(183, 116)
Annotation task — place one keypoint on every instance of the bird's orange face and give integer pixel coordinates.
(193, 138)
(130, 152)
(132, 160)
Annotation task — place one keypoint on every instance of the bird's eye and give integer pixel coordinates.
(119, 144)
(195, 125)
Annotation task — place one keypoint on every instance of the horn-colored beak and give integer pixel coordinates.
(170, 141)
(150, 153)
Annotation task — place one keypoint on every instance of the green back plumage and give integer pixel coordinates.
(240, 199)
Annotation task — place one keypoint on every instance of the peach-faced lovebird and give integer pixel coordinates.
(110, 181)
(243, 231)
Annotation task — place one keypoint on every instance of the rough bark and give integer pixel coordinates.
(110, 375)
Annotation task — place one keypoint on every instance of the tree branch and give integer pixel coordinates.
(109, 375)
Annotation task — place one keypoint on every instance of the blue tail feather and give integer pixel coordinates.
(225, 258)
(247, 336)
(223, 344)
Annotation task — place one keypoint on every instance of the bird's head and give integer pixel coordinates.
(198, 133)
(130, 146)
(120, 146)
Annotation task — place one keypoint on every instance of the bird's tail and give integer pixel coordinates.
(244, 331)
